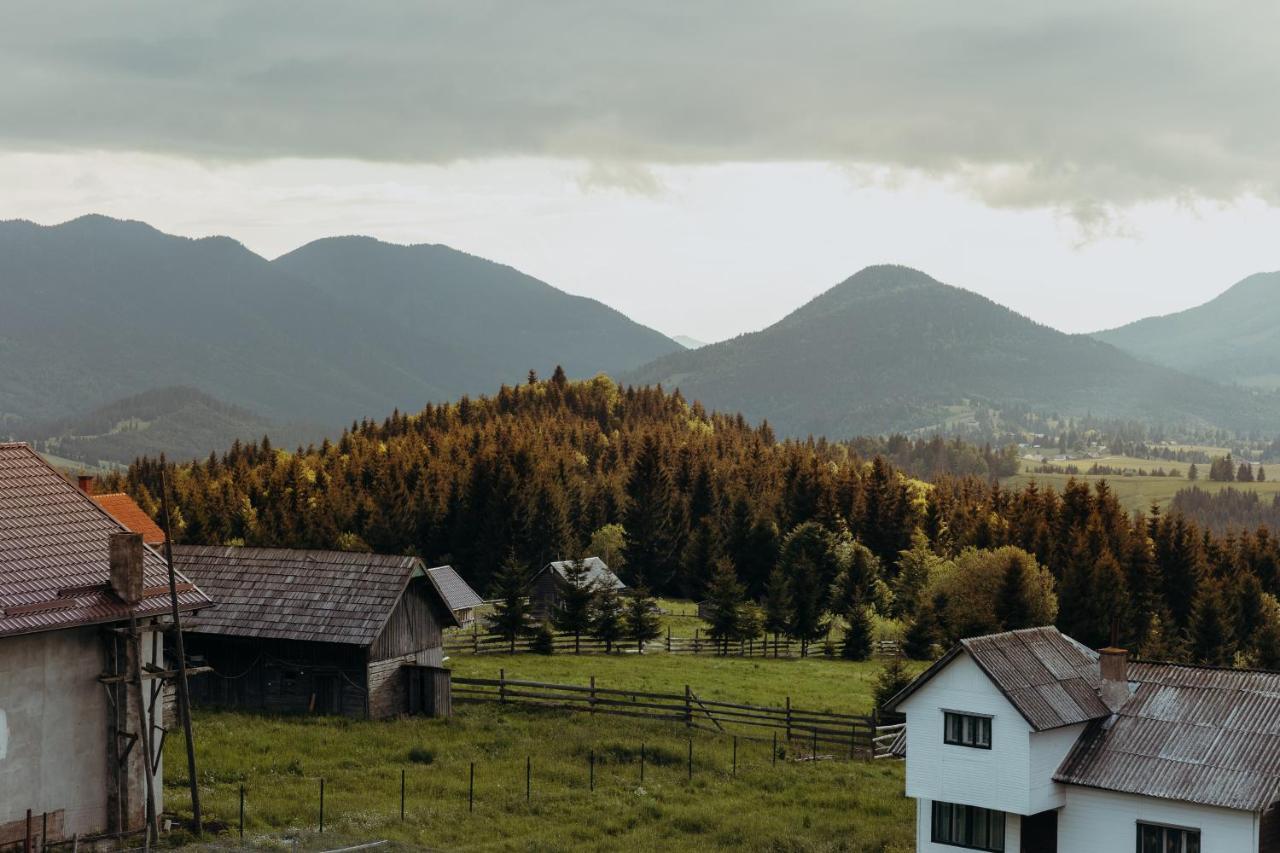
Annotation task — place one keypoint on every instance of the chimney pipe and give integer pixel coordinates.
(126, 566)
(85, 482)
(1114, 666)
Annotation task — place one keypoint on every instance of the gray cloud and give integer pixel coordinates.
(1081, 105)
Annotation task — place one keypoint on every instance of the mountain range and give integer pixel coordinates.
(1233, 338)
(891, 349)
(98, 309)
(117, 339)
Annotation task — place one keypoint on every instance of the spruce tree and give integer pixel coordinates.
(650, 543)
(808, 620)
(1262, 474)
(777, 604)
(573, 611)
(1211, 641)
(921, 639)
(511, 614)
(640, 618)
(1013, 607)
(724, 604)
(858, 635)
(891, 681)
(607, 622)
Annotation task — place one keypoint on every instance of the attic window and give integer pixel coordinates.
(967, 730)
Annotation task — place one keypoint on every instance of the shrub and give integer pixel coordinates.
(422, 755)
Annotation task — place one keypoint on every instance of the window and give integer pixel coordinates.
(1167, 839)
(967, 730)
(968, 826)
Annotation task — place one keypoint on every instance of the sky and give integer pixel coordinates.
(703, 167)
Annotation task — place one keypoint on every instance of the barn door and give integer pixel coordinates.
(326, 694)
(1040, 833)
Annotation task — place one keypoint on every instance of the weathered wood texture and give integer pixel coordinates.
(279, 676)
(429, 691)
(414, 626)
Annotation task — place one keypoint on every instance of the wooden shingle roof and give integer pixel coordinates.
(287, 594)
(55, 561)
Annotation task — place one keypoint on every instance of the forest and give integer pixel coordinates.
(698, 504)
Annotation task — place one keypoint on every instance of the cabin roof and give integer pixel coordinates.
(1048, 677)
(457, 593)
(55, 564)
(288, 594)
(123, 509)
(598, 572)
(1187, 733)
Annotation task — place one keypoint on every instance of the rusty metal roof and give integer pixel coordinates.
(54, 554)
(287, 594)
(457, 593)
(1193, 734)
(1048, 677)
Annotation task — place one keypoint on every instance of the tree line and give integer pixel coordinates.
(788, 536)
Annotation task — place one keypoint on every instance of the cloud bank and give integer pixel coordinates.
(1080, 106)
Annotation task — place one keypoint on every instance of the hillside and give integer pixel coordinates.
(98, 309)
(892, 349)
(1233, 338)
(181, 423)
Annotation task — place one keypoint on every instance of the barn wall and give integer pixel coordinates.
(413, 629)
(544, 595)
(388, 690)
(279, 676)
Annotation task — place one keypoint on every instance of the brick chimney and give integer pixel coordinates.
(126, 566)
(85, 482)
(1114, 665)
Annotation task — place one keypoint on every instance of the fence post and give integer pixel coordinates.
(528, 778)
(26, 844)
(475, 637)
(697, 640)
(502, 685)
(690, 759)
(591, 760)
(775, 749)
(471, 789)
(853, 739)
(815, 744)
(788, 718)
(322, 804)
(641, 764)
(735, 755)
(688, 706)
(591, 703)
(668, 639)
(402, 793)
(242, 814)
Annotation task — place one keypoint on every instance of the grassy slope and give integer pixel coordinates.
(795, 806)
(1138, 493)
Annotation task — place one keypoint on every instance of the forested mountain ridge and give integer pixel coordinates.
(891, 349)
(678, 499)
(1234, 337)
(98, 309)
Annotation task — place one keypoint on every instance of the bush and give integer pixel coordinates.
(544, 641)
(422, 755)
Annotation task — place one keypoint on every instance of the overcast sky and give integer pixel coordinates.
(703, 167)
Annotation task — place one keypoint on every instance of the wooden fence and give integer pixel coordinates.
(843, 733)
(773, 647)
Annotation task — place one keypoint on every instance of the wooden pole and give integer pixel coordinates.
(591, 760)
(471, 789)
(735, 755)
(690, 759)
(402, 793)
(688, 706)
(592, 703)
(242, 814)
(528, 778)
(321, 805)
(775, 749)
(641, 764)
(26, 845)
(184, 695)
(144, 733)
(502, 685)
(788, 718)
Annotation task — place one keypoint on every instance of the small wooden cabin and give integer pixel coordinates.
(321, 632)
(458, 594)
(547, 586)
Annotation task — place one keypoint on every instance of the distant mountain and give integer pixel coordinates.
(1233, 338)
(892, 349)
(98, 309)
(182, 423)
(688, 342)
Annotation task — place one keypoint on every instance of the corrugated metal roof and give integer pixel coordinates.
(281, 593)
(1187, 733)
(124, 510)
(457, 593)
(598, 572)
(55, 558)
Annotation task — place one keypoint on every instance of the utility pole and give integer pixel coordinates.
(184, 697)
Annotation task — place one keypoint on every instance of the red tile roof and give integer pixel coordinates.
(124, 510)
(54, 557)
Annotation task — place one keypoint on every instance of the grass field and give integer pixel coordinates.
(795, 805)
(1134, 492)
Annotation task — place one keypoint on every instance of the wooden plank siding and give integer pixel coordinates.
(414, 626)
(279, 676)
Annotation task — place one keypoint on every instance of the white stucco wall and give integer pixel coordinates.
(1096, 821)
(56, 754)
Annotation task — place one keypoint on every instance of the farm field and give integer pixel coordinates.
(795, 805)
(1134, 492)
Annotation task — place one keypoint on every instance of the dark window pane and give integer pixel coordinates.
(1151, 839)
(1193, 842)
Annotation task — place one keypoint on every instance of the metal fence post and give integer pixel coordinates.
(321, 804)
(528, 778)
(242, 814)
(735, 755)
(402, 793)
(471, 789)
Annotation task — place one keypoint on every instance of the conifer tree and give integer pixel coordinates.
(650, 523)
(1193, 473)
(807, 620)
(511, 614)
(640, 618)
(573, 611)
(858, 635)
(1013, 606)
(724, 606)
(921, 639)
(1211, 641)
(1245, 473)
(891, 681)
(1262, 474)
(607, 622)
(777, 604)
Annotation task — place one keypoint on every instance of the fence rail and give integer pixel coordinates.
(851, 733)
(766, 647)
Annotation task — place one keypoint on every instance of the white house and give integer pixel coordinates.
(1029, 741)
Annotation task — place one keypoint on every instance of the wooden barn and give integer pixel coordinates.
(318, 632)
(547, 586)
(84, 611)
(458, 594)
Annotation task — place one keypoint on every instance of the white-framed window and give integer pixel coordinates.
(1156, 838)
(968, 826)
(966, 729)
